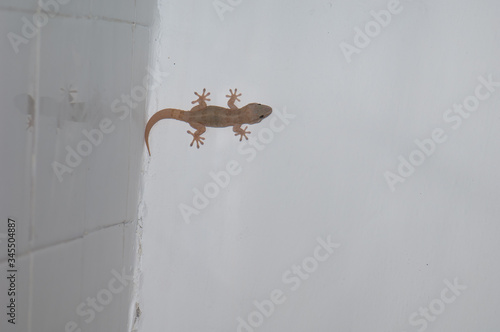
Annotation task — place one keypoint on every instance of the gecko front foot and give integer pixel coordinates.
(196, 138)
(242, 132)
(234, 95)
(232, 98)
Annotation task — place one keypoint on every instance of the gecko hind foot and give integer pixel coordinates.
(196, 138)
(201, 98)
(242, 132)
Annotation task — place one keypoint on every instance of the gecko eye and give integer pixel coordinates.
(261, 117)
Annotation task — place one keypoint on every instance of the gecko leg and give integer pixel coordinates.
(232, 98)
(202, 99)
(200, 129)
(241, 131)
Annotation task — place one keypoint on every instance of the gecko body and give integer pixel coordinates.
(202, 116)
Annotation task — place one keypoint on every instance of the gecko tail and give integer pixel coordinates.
(167, 113)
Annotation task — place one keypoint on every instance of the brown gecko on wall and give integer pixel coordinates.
(202, 116)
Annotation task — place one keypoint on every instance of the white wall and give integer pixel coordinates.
(60, 72)
(323, 174)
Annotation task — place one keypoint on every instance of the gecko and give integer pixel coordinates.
(202, 116)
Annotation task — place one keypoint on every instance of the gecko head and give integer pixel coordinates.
(257, 112)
